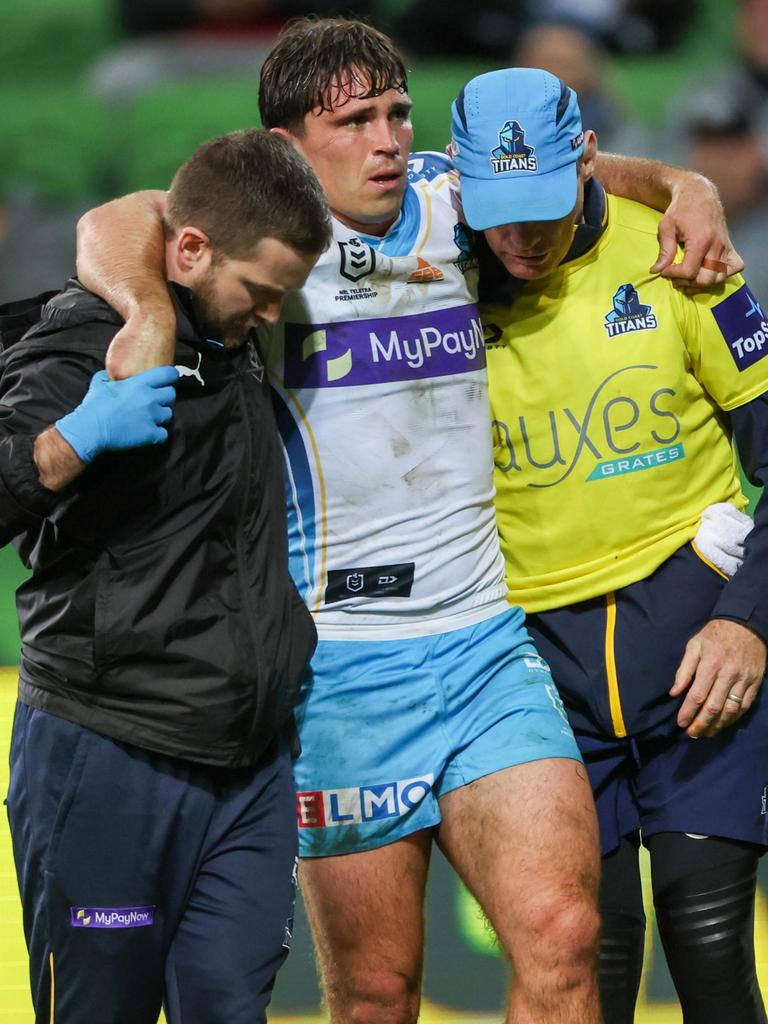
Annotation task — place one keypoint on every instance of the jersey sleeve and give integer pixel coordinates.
(743, 599)
(726, 334)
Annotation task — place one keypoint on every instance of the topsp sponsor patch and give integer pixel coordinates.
(743, 325)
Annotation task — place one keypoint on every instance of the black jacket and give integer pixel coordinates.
(160, 611)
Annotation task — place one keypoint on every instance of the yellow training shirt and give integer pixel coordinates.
(606, 387)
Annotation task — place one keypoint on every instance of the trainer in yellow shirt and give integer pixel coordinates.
(616, 401)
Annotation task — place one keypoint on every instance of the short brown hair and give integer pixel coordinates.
(249, 185)
(316, 57)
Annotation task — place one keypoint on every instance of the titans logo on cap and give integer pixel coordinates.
(512, 153)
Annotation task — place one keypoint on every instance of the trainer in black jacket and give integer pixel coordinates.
(160, 611)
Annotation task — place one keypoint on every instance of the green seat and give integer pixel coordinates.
(160, 129)
(53, 140)
(53, 38)
(433, 85)
(645, 84)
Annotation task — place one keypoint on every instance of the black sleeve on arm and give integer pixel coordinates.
(23, 499)
(36, 389)
(745, 598)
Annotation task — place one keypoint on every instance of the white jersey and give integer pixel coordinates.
(378, 367)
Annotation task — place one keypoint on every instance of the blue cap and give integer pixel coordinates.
(517, 138)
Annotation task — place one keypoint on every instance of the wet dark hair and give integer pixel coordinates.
(249, 185)
(315, 58)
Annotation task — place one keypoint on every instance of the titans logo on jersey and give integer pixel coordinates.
(629, 313)
(465, 243)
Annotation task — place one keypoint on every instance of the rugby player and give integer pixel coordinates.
(615, 401)
(428, 715)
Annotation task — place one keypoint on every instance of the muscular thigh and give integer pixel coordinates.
(366, 910)
(521, 836)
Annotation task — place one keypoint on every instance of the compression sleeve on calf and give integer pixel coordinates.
(704, 893)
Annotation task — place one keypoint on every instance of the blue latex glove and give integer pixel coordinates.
(119, 414)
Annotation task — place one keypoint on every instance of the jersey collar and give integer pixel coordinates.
(589, 232)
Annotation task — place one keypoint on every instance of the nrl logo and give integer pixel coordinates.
(355, 582)
(512, 153)
(357, 259)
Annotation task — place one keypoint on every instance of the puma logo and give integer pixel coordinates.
(192, 371)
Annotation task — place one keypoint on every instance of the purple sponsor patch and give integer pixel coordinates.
(437, 344)
(743, 325)
(111, 917)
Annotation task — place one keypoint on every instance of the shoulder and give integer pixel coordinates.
(635, 218)
(71, 321)
(74, 306)
(435, 179)
(427, 165)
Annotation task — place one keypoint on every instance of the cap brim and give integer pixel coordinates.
(489, 204)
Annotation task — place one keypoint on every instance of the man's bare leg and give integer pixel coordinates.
(367, 917)
(525, 842)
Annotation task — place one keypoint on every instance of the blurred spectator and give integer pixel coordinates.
(482, 30)
(575, 54)
(37, 243)
(750, 71)
(173, 40)
(752, 34)
(148, 16)
(746, 73)
(489, 29)
(627, 26)
(724, 144)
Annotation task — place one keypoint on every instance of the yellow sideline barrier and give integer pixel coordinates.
(15, 1005)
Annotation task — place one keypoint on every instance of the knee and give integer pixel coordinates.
(375, 997)
(566, 930)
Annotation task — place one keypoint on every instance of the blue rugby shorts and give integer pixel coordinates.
(388, 727)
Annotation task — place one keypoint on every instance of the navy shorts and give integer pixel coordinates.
(614, 660)
(148, 880)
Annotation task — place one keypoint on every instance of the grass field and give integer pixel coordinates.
(14, 998)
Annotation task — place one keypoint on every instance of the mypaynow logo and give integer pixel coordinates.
(356, 352)
(111, 917)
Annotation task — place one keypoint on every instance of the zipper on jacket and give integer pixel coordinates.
(614, 698)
